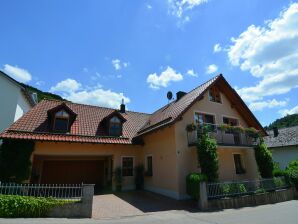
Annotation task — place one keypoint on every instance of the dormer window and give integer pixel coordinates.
(61, 121)
(115, 126)
(214, 95)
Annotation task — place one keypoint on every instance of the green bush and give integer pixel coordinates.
(292, 173)
(233, 189)
(193, 184)
(264, 160)
(118, 178)
(207, 155)
(277, 171)
(139, 177)
(14, 206)
(15, 164)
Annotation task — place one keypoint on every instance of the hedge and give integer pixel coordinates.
(14, 206)
(292, 173)
(193, 184)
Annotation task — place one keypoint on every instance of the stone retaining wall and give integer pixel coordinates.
(252, 200)
(81, 209)
(246, 200)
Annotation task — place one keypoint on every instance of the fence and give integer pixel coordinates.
(232, 189)
(61, 191)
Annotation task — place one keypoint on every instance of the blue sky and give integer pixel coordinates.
(98, 52)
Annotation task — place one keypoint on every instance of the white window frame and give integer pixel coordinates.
(133, 164)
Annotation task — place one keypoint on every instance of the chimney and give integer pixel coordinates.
(122, 107)
(275, 131)
(180, 94)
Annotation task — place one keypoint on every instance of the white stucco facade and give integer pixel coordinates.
(284, 155)
(13, 102)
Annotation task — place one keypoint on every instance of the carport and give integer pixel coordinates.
(72, 170)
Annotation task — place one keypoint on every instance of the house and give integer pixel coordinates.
(15, 100)
(283, 143)
(77, 143)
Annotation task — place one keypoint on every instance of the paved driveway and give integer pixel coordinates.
(135, 203)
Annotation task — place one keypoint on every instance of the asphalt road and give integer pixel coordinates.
(281, 213)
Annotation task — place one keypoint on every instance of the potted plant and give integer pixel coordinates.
(118, 178)
(238, 129)
(252, 132)
(191, 127)
(224, 127)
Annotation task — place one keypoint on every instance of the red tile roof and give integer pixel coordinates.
(87, 125)
(171, 112)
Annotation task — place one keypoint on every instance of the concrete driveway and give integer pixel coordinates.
(285, 213)
(135, 203)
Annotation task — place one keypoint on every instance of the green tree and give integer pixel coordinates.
(264, 159)
(207, 155)
(15, 164)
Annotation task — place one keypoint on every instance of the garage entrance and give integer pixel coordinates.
(73, 170)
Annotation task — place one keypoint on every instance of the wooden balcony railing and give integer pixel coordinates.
(223, 136)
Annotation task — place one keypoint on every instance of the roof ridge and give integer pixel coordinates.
(212, 79)
(88, 105)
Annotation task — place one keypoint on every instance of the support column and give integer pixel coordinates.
(203, 201)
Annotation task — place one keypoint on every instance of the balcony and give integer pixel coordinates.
(224, 135)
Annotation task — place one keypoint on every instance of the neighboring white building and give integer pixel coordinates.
(15, 101)
(283, 144)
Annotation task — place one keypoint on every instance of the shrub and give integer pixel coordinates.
(139, 177)
(207, 155)
(118, 178)
(264, 160)
(233, 189)
(15, 164)
(193, 184)
(292, 173)
(14, 206)
(277, 172)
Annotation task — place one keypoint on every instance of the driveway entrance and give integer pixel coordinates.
(136, 203)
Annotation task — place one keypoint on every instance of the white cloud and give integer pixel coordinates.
(17, 73)
(211, 69)
(118, 65)
(260, 105)
(217, 48)
(95, 95)
(148, 6)
(285, 112)
(191, 72)
(269, 53)
(67, 85)
(178, 8)
(169, 75)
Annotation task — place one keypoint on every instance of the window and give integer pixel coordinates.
(115, 128)
(238, 164)
(202, 119)
(61, 121)
(149, 169)
(127, 166)
(231, 122)
(214, 94)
